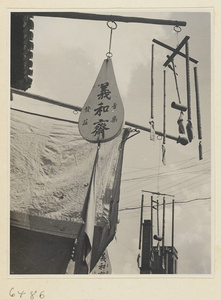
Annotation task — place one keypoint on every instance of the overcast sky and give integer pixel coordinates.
(68, 55)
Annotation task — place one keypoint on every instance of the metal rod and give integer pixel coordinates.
(179, 139)
(180, 46)
(173, 49)
(101, 17)
(141, 221)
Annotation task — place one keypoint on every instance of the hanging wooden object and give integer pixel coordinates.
(102, 115)
(164, 119)
(178, 106)
(152, 130)
(189, 127)
(199, 128)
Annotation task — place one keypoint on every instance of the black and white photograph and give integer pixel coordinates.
(110, 142)
(109, 151)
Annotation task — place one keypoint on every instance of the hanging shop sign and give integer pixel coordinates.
(102, 115)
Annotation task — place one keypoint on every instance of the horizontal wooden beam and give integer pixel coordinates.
(45, 99)
(173, 49)
(181, 140)
(176, 51)
(102, 17)
(68, 229)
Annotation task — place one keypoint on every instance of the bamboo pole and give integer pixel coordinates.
(152, 80)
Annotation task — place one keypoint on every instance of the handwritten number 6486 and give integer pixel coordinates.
(33, 294)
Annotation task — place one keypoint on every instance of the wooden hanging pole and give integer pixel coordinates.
(181, 140)
(102, 17)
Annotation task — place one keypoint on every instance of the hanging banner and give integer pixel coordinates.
(103, 266)
(102, 115)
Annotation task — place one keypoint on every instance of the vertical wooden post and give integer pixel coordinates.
(146, 248)
(158, 225)
(163, 235)
(151, 221)
(173, 224)
(141, 221)
(163, 227)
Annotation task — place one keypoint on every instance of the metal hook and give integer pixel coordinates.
(133, 130)
(113, 27)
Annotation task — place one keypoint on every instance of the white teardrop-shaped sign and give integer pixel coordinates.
(102, 115)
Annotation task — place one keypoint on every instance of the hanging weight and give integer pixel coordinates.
(178, 106)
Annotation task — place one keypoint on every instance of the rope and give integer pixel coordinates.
(176, 83)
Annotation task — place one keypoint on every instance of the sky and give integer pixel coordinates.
(68, 55)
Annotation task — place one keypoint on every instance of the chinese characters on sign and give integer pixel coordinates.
(103, 266)
(102, 116)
